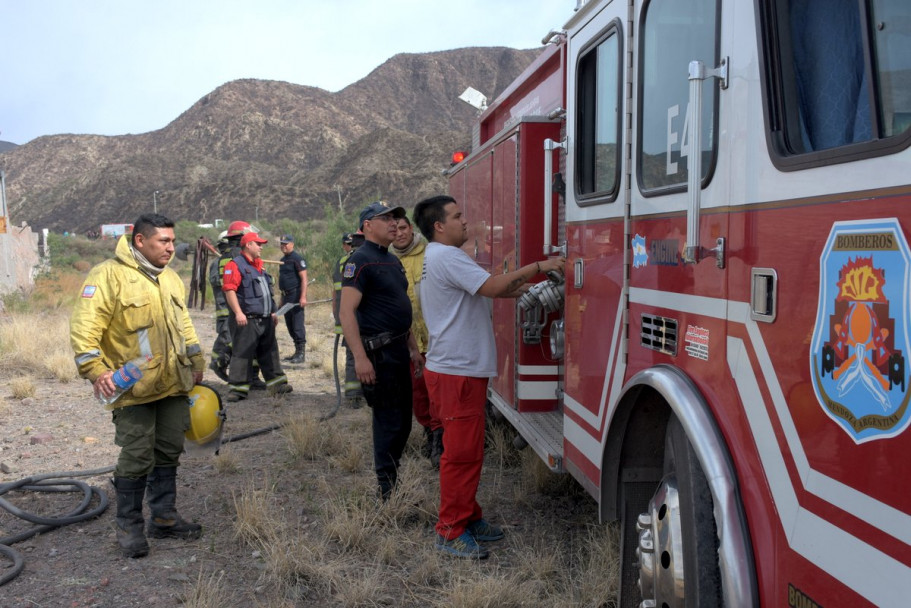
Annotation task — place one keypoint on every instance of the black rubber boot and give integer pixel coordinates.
(387, 485)
(129, 518)
(436, 448)
(165, 521)
(299, 354)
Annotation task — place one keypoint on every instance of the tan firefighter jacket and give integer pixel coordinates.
(413, 262)
(123, 314)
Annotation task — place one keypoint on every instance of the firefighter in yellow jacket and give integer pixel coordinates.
(135, 306)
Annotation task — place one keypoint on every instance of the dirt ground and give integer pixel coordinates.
(62, 429)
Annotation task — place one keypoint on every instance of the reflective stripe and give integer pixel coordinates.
(86, 357)
(240, 388)
(277, 380)
(144, 348)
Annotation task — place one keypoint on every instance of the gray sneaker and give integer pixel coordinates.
(484, 531)
(462, 546)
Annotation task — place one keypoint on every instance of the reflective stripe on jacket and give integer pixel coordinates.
(413, 263)
(254, 295)
(123, 314)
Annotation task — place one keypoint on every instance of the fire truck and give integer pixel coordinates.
(723, 365)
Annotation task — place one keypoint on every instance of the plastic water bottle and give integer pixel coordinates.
(124, 378)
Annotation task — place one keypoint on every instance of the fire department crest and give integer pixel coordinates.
(857, 355)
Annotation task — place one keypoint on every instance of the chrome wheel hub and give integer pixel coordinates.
(660, 549)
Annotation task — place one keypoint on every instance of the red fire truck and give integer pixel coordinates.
(723, 365)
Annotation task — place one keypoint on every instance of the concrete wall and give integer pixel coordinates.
(19, 258)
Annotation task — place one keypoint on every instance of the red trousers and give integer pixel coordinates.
(420, 403)
(459, 402)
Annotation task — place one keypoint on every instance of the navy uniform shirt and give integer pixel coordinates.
(289, 273)
(380, 278)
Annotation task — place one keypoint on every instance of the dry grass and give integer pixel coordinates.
(308, 439)
(226, 462)
(490, 590)
(499, 450)
(255, 524)
(352, 519)
(364, 588)
(57, 292)
(22, 387)
(294, 563)
(597, 575)
(208, 591)
(351, 458)
(37, 344)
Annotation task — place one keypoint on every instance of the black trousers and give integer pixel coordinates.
(221, 349)
(390, 400)
(254, 341)
(294, 318)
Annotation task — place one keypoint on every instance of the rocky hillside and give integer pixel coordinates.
(267, 149)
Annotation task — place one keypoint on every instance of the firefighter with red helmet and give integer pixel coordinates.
(248, 290)
(229, 248)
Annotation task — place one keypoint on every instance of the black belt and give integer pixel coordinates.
(287, 291)
(378, 341)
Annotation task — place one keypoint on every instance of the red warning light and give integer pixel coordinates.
(458, 157)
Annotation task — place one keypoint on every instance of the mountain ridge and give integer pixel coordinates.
(261, 148)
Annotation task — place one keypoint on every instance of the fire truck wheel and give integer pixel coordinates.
(678, 545)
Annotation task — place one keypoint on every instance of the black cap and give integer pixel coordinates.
(379, 208)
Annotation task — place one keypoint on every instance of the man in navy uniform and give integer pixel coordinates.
(292, 282)
(375, 314)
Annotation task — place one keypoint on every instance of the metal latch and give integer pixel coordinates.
(763, 294)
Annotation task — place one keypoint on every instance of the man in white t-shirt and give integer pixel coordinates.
(455, 300)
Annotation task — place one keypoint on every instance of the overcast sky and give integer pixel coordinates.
(111, 67)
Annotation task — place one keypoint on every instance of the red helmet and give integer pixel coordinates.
(238, 228)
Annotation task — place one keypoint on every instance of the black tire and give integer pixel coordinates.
(702, 574)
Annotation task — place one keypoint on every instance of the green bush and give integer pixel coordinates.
(67, 250)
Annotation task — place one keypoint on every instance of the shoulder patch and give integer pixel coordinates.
(88, 291)
(350, 267)
(228, 271)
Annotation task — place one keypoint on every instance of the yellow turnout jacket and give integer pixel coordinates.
(413, 261)
(123, 314)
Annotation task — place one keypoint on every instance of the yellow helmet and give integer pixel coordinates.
(206, 417)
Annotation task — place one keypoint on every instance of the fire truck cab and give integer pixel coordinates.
(723, 364)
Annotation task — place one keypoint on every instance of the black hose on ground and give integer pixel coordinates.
(60, 482)
(49, 482)
(338, 383)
